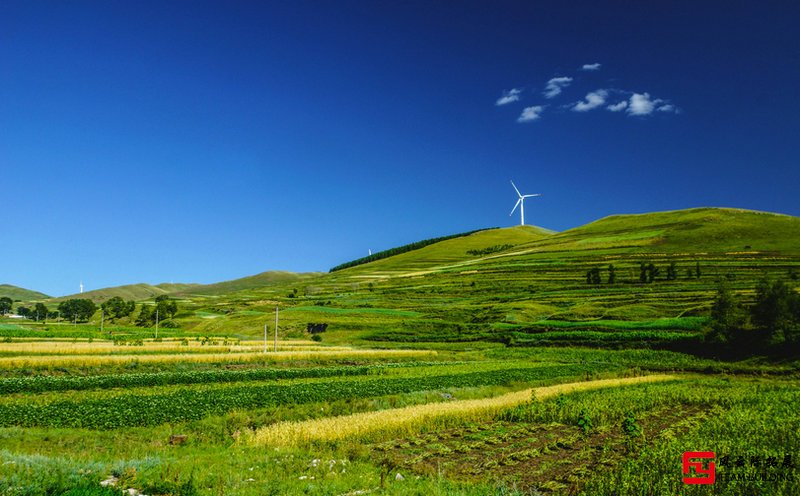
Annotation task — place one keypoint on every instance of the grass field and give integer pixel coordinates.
(493, 421)
(479, 365)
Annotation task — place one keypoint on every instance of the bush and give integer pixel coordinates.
(772, 324)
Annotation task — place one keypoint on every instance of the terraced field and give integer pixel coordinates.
(484, 364)
(508, 285)
(388, 421)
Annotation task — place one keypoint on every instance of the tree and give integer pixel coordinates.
(24, 312)
(697, 270)
(166, 308)
(77, 309)
(772, 323)
(647, 272)
(117, 308)
(727, 317)
(593, 276)
(672, 271)
(5, 304)
(612, 274)
(652, 272)
(40, 311)
(146, 317)
(776, 312)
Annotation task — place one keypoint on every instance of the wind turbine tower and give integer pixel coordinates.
(521, 204)
(81, 287)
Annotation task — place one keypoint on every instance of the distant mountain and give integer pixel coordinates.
(250, 282)
(22, 294)
(143, 291)
(136, 292)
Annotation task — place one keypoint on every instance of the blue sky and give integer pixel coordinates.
(204, 141)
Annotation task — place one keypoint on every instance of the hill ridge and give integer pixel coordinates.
(19, 293)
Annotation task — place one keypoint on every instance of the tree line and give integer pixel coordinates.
(648, 273)
(82, 309)
(402, 249)
(771, 324)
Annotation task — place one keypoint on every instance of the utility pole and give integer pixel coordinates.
(276, 328)
(265, 337)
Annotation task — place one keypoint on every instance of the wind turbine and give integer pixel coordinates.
(521, 204)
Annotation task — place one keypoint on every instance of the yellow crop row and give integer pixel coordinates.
(80, 348)
(97, 360)
(412, 418)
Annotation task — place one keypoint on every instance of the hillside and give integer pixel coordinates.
(135, 292)
(521, 284)
(250, 282)
(522, 281)
(21, 294)
(455, 251)
(700, 229)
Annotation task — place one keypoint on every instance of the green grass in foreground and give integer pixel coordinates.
(723, 415)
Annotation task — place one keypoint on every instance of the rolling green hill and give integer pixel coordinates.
(522, 285)
(701, 229)
(135, 292)
(21, 294)
(250, 282)
(527, 283)
(453, 252)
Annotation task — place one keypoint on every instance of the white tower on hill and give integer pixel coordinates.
(521, 204)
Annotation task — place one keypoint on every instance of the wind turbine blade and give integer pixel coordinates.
(515, 189)
(515, 207)
(528, 196)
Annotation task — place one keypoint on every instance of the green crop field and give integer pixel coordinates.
(490, 363)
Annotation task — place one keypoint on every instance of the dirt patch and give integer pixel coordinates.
(532, 457)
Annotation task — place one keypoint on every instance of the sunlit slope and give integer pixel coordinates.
(22, 294)
(540, 282)
(251, 282)
(690, 233)
(527, 283)
(453, 252)
(135, 292)
(693, 230)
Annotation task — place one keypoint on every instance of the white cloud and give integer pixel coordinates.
(509, 96)
(593, 99)
(667, 108)
(591, 67)
(530, 113)
(618, 106)
(554, 86)
(641, 104)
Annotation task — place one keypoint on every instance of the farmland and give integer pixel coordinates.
(481, 364)
(456, 422)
